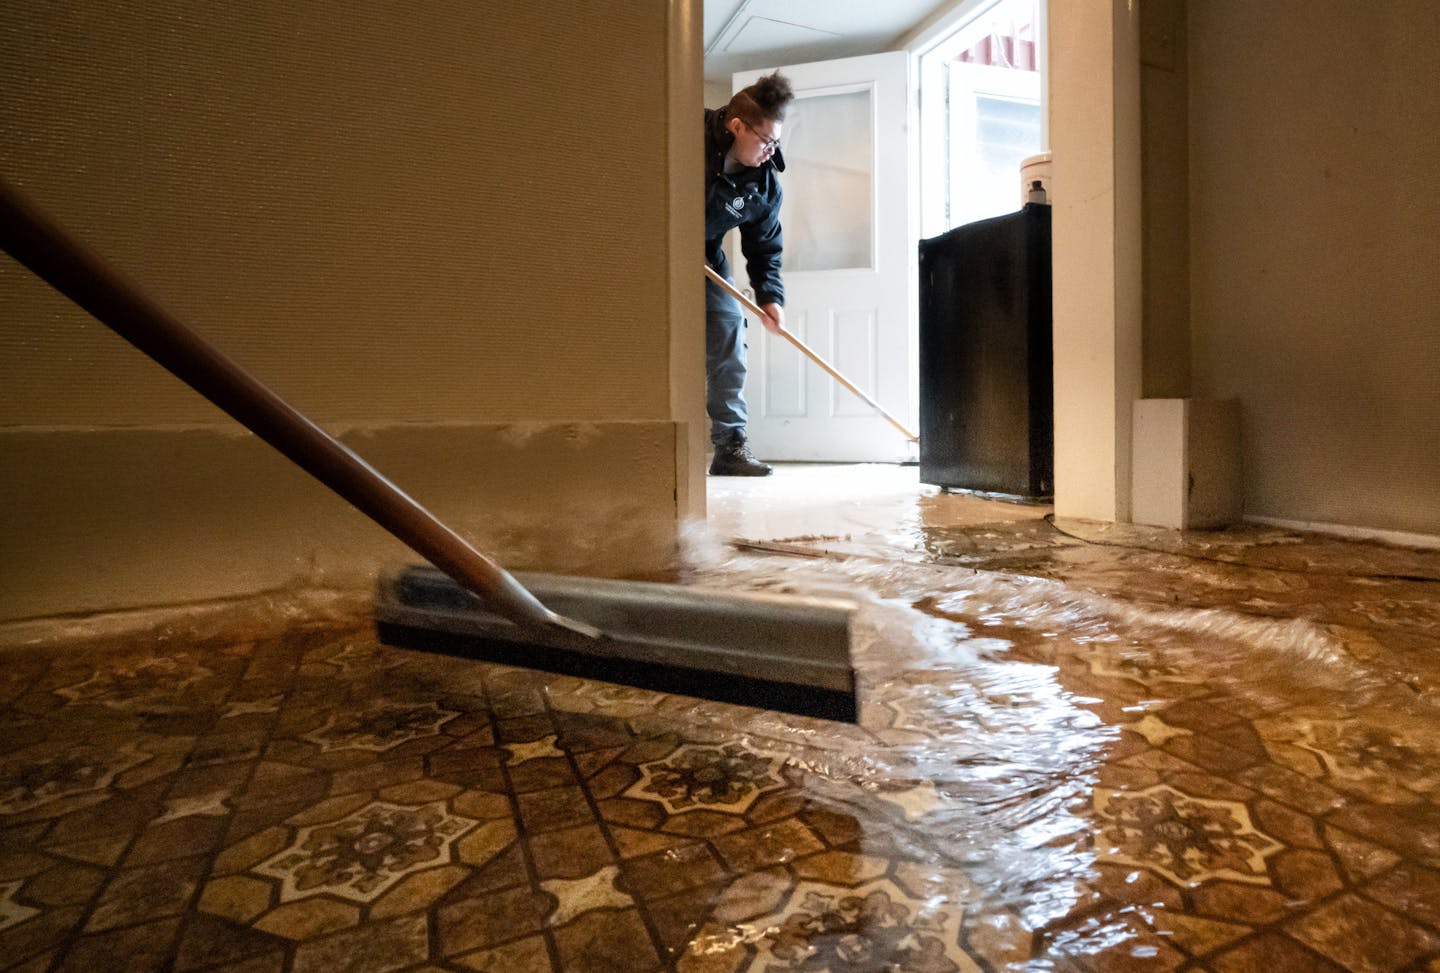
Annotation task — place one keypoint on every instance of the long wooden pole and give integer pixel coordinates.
(77, 272)
(809, 352)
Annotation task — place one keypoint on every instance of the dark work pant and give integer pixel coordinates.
(725, 348)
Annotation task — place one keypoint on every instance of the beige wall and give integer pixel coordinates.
(105, 520)
(1315, 256)
(395, 220)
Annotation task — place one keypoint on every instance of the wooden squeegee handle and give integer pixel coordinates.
(809, 352)
(77, 272)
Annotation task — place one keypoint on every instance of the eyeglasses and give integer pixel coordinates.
(767, 143)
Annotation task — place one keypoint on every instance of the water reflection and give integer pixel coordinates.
(1069, 761)
(1076, 752)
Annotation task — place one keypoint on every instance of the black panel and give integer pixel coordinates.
(826, 704)
(986, 377)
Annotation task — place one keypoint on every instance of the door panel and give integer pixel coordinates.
(848, 267)
(782, 382)
(827, 213)
(856, 343)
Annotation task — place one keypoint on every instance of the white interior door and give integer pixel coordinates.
(848, 266)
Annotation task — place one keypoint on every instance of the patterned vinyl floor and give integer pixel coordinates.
(1080, 750)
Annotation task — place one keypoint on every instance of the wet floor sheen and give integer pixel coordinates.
(1081, 748)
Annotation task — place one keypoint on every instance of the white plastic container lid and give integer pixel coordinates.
(1034, 169)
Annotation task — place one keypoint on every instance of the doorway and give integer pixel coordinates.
(982, 112)
(848, 266)
(882, 150)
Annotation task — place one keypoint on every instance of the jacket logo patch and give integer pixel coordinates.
(738, 202)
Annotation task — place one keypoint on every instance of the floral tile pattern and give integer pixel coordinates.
(1188, 840)
(143, 682)
(876, 926)
(1147, 668)
(1393, 758)
(725, 778)
(365, 853)
(380, 727)
(1079, 752)
(49, 772)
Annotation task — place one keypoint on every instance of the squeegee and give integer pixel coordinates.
(762, 650)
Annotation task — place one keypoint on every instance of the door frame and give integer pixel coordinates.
(1091, 61)
(930, 47)
(906, 257)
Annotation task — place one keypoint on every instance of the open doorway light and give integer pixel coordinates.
(982, 111)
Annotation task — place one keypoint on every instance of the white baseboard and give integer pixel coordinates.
(1399, 538)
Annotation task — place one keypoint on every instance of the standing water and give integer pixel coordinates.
(1080, 749)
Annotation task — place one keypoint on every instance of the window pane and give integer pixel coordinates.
(994, 125)
(829, 148)
(1007, 131)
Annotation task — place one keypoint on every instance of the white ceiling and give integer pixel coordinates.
(741, 35)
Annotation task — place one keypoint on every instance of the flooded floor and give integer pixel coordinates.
(1081, 748)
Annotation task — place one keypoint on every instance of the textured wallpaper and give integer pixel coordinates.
(436, 212)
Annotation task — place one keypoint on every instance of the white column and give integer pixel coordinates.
(684, 165)
(1094, 80)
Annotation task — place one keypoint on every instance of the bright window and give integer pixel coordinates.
(981, 114)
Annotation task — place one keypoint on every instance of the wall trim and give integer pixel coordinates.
(685, 164)
(113, 520)
(1094, 82)
(1399, 538)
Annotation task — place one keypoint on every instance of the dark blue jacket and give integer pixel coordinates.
(749, 199)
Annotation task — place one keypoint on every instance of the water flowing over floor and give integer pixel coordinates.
(1081, 748)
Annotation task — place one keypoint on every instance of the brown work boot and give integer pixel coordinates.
(733, 458)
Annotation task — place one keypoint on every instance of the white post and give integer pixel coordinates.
(1094, 61)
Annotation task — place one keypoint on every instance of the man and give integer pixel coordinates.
(742, 189)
